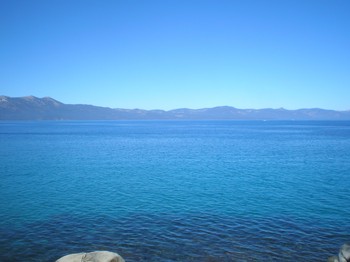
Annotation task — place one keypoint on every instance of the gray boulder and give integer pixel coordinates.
(97, 256)
(343, 255)
(333, 259)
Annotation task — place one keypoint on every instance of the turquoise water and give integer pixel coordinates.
(175, 190)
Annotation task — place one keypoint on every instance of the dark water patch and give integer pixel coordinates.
(178, 237)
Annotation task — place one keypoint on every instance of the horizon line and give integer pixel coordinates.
(178, 108)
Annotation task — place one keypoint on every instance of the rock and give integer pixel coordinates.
(333, 259)
(72, 258)
(97, 256)
(343, 255)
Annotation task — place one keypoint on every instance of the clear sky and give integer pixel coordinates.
(170, 53)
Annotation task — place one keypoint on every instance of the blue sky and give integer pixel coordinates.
(171, 53)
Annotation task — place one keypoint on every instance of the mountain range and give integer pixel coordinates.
(47, 108)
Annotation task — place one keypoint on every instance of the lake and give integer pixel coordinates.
(175, 190)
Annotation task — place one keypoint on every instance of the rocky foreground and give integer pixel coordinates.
(105, 256)
(343, 255)
(97, 256)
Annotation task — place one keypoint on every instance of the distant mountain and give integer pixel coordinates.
(46, 108)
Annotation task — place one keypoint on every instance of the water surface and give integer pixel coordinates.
(175, 190)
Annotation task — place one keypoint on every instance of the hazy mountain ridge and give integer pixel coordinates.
(47, 108)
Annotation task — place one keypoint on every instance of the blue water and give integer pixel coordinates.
(175, 190)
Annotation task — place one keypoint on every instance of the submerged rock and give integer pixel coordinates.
(343, 255)
(97, 256)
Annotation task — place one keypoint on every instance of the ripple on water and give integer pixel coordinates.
(185, 237)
